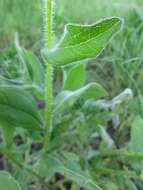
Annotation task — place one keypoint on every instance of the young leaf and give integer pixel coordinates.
(34, 67)
(7, 182)
(18, 108)
(67, 98)
(83, 42)
(74, 77)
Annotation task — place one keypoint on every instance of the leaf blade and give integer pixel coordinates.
(75, 77)
(136, 135)
(17, 107)
(83, 42)
(7, 182)
(67, 98)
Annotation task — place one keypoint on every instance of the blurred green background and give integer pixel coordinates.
(24, 16)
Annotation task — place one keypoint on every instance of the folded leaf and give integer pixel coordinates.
(7, 182)
(67, 98)
(83, 42)
(18, 108)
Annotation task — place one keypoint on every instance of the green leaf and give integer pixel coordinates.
(111, 186)
(35, 68)
(48, 166)
(7, 81)
(83, 42)
(18, 108)
(79, 177)
(32, 68)
(137, 135)
(74, 77)
(66, 99)
(7, 182)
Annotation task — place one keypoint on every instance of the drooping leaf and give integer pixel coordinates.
(18, 108)
(74, 78)
(67, 98)
(7, 182)
(83, 42)
(137, 135)
(115, 103)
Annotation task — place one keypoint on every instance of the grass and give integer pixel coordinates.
(16, 17)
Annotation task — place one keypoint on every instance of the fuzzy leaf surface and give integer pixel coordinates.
(67, 98)
(81, 42)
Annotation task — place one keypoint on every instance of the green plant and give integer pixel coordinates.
(65, 118)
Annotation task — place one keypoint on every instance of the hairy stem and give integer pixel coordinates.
(48, 23)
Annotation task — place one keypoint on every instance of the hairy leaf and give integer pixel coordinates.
(83, 42)
(67, 98)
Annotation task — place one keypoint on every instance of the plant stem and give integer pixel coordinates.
(115, 172)
(119, 153)
(48, 22)
(48, 11)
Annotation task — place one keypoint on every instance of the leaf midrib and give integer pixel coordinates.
(60, 47)
(19, 110)
(16, 108)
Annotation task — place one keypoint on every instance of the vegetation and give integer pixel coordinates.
(71, 114)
